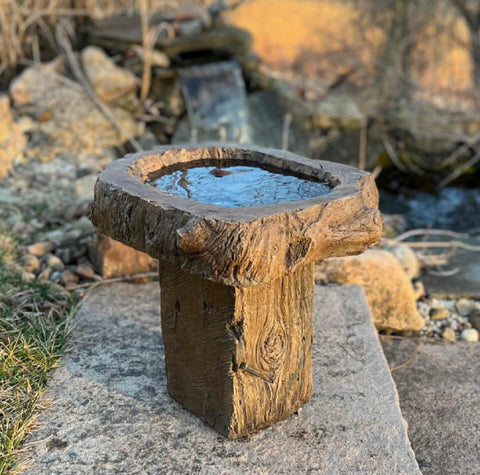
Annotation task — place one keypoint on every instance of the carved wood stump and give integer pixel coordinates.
(237, 283)
(238, 357)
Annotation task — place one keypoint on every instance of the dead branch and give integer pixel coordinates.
(125, 278)
(442, 244)
(459, 171)
(429, 232)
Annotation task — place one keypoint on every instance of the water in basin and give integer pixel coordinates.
(237, 186)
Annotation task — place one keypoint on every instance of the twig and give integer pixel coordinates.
(64, 43)
(125, 278)
(459, 171)
(460, 151)
(409, 361)
(392, 155)
(441, 244)
(444, 273)
(427, 232)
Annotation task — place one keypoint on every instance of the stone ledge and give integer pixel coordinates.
(111, 412)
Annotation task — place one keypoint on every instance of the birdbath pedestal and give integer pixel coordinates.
(237, 282)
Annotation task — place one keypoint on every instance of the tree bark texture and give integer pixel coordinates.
(238, 357)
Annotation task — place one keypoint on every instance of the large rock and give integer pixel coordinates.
(113, 84)
(66, 113)
(36, 81)
(12, 140)
(389, 292)
(111, 412)
(439, 397)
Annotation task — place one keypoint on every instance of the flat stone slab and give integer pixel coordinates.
(111, 413)
(465, 283)
(440, 399)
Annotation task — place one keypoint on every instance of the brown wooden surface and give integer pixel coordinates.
(237, 246)
(240, 358)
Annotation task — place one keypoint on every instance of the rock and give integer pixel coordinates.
(407, 259)
(54, 263)
(85, 271)
(469, 334)
(84, 187)
(389, 291)
(69, 277)
(35, 82)
(337, 110)
(449, 334)
(30, 263)
(55, 276)
(465, 307)
(438, 314)
(112, 258)
(76, 123)
(41, 248)
(113, 84)
(12, 140)
(475, 320)
(84, 225)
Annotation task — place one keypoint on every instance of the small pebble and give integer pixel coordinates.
(55, 276)
(69, 277)
(84, 225)
(41, 248)
(407, 259)
(85, 272)
(54, 262)
(28, 276)
(438, 314)
(465, 306)
(449, 334)
(475, 320)
(30, 263)
(470, 334)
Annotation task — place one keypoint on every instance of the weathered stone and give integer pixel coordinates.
(393, 225)
(41, 248)
(54, 262)
(469, 334)
(439, 314)
(448, 334)
(113, 84)
(69, 278)
(113, 259)
(35, 82)
(389, 291)
(407, 259)
(12, 140)
(439, 399)
(84, 187)
(110, 393)
(475, 319)
(85, 271)
(30, 263)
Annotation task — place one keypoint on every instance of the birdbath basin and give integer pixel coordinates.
(237, 279)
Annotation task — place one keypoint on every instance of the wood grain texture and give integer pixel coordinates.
(237, 246)
(240, 358)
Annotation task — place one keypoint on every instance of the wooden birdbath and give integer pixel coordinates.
(237, 282)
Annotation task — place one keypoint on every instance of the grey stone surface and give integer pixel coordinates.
(440, 400)
(111, 413)
(466, 283)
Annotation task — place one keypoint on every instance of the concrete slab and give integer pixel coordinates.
(111, 412)
(440, 399)
(466, 283)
